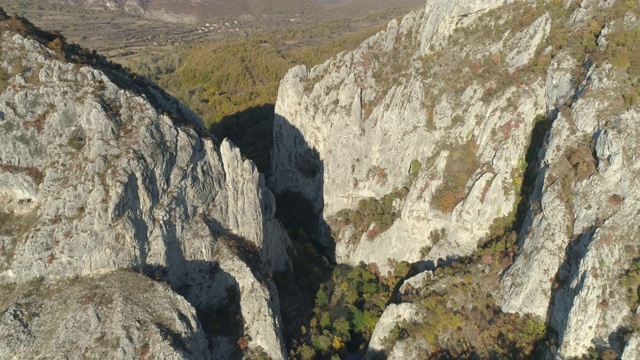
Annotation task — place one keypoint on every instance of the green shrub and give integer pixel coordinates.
(630, 282)
(414, 170)
(4, 79)
(461, 316)
(379, 212)
(356, 298)
(76, 142)
(436, 235)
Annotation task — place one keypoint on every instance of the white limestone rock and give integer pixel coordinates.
(578, 238)
(442, 17)
(435, 92)
(336, 152)
(392, 316)
(121, 315)
(523, 45)
(259, 304)
(98, 175)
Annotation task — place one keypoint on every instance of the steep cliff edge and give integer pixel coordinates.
(102, 172)
(443, 133)
(499, 133)
(582, 224)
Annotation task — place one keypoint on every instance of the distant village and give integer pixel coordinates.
(221, 28)
(230, 27)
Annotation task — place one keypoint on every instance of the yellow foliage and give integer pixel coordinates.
(337, 343)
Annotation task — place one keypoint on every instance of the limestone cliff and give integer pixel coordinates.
(415, 146)
(102, 172)
(449, 126)
(582, 224)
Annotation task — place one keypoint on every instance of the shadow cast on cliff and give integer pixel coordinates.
(213, 292)
(251, 131)
(534, 156)
(563, 294)
(299, 208)
(313, 254)
(221, 321)
(530, 191)
(301, 202)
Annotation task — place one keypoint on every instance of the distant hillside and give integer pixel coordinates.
(176, 10)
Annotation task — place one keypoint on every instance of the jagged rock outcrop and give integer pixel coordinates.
(101, 172)
(441, 18)
(434, 117)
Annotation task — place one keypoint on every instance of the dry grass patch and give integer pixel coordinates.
(461, 164)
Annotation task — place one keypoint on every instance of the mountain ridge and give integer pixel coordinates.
(106, 176)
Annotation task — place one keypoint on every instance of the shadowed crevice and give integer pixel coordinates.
(563, 292)
(251, 131)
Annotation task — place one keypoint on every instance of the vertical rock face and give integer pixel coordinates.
(443, 17)
(447, 127)
(412, 147)
(97, 177)
(581, 234)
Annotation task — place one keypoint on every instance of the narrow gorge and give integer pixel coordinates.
(463, 184)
